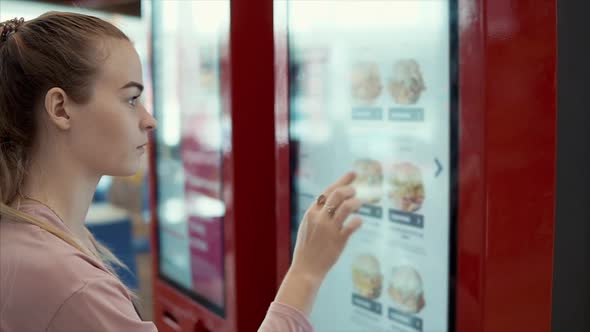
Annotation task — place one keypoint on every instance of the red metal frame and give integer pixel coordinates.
(253, 153)
(472, 213)
(507, 165)
(249, 191)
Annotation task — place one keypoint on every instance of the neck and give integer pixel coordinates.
(62, 185)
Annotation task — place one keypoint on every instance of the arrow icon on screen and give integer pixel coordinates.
(439, 167)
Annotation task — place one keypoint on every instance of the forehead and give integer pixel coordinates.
(121, 65)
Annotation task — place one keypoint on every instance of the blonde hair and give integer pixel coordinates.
(55, 49)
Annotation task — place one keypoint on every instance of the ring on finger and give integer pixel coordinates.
(321, 200)
(331, 210)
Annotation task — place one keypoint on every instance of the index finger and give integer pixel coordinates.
(343, 181)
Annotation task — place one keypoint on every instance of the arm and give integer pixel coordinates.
(299, 290)
(321, 239)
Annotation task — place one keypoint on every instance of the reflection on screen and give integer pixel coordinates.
(189, 37)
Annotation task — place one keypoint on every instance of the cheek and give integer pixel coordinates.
(102, 139)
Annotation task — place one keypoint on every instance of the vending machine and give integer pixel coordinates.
(446, 110)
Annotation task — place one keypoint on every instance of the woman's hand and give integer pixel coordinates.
(322, 234)
(321, 239)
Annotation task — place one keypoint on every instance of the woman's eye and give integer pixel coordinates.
(133, 101)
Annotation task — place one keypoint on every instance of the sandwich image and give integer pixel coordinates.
(366, 276)
(406, 83)
(405, 289)
(406, 187)
(365, 82)
(369, 180)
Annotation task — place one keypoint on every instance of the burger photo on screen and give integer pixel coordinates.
(367, 277)
(405, 289)
(366, 83)
(406, 82)
(406, 187)
(369, 180)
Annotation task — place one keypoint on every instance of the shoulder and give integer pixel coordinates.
(28, 249)
(100, 305)
(39, 272)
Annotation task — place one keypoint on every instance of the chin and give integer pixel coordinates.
(124, 170)
(130, 172)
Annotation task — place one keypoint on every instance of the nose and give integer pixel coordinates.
(148, 123)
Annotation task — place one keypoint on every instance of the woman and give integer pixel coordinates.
(70, 113)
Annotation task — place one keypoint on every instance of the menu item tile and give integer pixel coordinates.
(405, 289)
(366, 83)
(367, 277)
(406, 83)
(407, 190)
(369, 180)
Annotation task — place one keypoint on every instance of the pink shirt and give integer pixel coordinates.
(47, 285)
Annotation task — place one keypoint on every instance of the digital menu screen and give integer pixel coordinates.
(373, 89)
(188, 41)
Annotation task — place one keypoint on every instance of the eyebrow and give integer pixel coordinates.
(132, 85)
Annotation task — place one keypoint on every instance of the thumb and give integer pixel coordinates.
(349, 228)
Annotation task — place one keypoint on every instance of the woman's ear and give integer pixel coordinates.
(56, 101)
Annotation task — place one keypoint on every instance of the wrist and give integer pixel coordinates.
(305, 277)
(299, 289)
